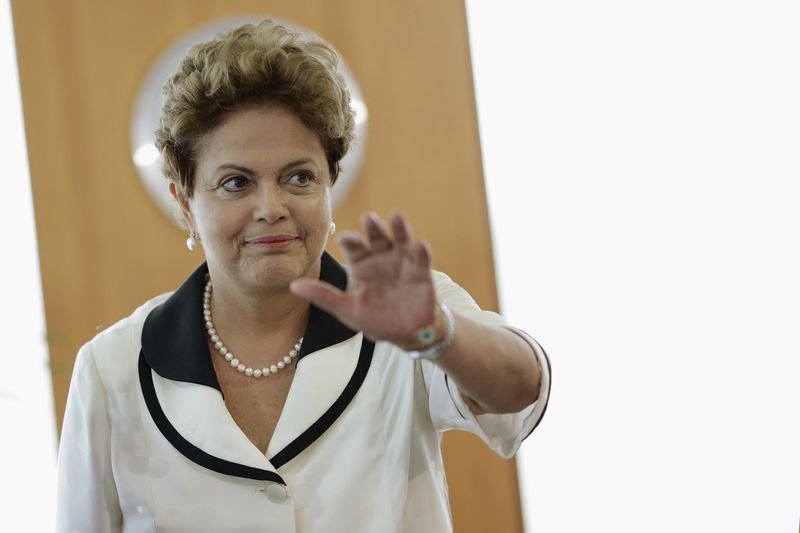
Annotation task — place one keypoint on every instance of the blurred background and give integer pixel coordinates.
(620, 179)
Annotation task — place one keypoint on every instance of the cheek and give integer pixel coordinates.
(219, 222)
(321, 210)
(317, 218)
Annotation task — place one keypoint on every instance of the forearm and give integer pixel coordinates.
(491, 365)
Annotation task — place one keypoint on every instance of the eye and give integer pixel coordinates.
(234, 183)
(301, 178)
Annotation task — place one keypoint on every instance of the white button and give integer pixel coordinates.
(276, 493)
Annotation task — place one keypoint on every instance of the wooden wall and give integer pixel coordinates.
(105, 247)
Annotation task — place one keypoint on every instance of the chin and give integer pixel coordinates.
(276, 270)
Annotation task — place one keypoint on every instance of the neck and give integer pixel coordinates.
(257, 315)
(256, 312)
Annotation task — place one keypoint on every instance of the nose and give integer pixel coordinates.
(270, 205)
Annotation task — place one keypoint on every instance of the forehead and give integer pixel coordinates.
(260, 136)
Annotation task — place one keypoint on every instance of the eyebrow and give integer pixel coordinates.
(238, 168)
(250, 172)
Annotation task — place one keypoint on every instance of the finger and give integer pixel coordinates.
(323, 295)
(401, 229)
(379, 239)
(422, 254)
(354, 247)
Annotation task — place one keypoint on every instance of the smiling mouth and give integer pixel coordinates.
(273, 242)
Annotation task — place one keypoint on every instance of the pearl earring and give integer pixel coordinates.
(332, 228)
(191, 242)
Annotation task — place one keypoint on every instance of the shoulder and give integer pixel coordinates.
(116, 349)
(459, 300)
(446, 287)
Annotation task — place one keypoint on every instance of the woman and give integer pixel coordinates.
(275, 390)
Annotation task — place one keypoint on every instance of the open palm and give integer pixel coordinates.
(390, 293)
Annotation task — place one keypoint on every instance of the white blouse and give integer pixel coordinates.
(148, 445)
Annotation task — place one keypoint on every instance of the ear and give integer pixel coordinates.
(183, 202)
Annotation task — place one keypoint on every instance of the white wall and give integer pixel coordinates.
(643, 174)
(28, 442)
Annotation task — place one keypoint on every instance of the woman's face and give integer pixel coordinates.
(261, 204)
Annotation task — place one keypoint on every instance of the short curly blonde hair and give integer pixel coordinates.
(263, 63)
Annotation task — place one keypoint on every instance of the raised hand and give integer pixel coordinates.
(390, 294)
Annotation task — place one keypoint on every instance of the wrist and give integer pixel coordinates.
(430, 341)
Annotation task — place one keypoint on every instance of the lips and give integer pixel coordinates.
(272, 241)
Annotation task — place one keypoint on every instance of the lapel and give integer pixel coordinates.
(184, 399)
(319, 379)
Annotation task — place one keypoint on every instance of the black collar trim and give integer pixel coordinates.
(189, 450)
(174, 346)
(293, 449)
(289, 452)
(174, 336)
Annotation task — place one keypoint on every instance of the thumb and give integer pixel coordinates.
(323, 295)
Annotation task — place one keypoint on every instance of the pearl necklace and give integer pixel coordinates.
(232, 359)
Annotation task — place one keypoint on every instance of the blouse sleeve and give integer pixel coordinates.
(87, 498)
(503, 433)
